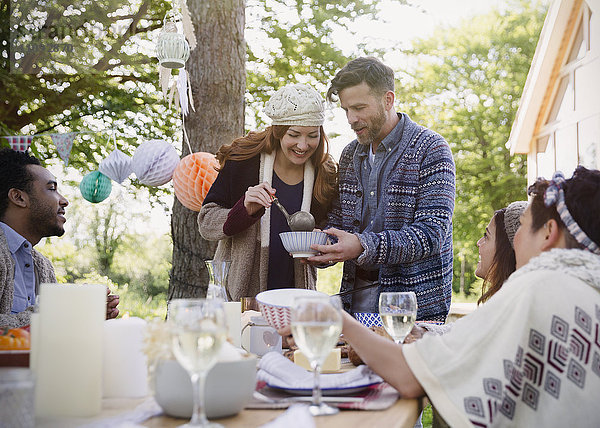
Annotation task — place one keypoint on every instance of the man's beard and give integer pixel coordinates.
(44, 220)
(373, 129)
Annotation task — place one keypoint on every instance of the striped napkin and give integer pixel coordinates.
(278, 371)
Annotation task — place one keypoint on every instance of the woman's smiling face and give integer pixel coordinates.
(299, 143)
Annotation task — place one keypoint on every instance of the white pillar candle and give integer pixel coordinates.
(69, 357)
(233, 314)
(33, 342)
(125, 369)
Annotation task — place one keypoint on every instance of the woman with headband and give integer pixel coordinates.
(496, 261)
(531, 355)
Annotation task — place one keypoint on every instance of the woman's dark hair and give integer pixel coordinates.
(14, 174)
(503, 263)
(269, 140)
(582, 197)
(370, 70)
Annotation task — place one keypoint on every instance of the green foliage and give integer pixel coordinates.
(466, 85)
(427, 417)
(144, 263)
(133, 304)
(70, 263)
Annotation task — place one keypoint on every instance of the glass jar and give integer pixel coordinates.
(16, 397)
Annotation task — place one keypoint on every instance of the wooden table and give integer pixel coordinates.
(403, 414)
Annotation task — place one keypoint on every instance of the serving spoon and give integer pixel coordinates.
(300, 221)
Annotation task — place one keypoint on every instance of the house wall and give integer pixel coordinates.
(567, 132)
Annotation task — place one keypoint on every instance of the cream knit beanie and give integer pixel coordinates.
(296, 104)
(512, 219)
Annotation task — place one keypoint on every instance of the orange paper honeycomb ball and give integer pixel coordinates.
(193, 177)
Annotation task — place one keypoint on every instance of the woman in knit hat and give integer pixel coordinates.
(289, 159)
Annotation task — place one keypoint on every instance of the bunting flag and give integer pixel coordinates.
(20, 143)
(64, 144)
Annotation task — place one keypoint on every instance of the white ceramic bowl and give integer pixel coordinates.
(275, 304)
(298, 243)
(229, 387)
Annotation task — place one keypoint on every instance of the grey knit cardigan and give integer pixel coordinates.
(44, 272)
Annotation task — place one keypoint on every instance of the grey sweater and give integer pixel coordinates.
(44, 272)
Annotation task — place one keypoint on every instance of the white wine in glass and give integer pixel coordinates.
(316, 326)
(398, 312)
(198, 331)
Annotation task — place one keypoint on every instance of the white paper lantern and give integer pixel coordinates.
(172, 49)
(117, 166)
(154, 162)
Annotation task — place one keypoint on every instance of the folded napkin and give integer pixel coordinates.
(296, 416)
(276, 370)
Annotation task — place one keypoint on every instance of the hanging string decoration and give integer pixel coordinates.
(19, 143)
(172, 51)
(154, 162)
(95, 187)
(117, 166)
(193, 177)
(64, 144)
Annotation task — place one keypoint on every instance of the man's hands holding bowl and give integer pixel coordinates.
(347, 247)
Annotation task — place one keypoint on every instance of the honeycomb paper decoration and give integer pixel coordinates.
(95, 187)
(193, 177)
(117, 166)
(154, 162)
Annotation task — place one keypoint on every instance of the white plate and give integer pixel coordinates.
(325, 391)
(303, 255)
(284, 297)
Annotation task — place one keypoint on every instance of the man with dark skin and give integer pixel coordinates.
(31, 208)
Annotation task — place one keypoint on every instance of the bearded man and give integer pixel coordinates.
(31, 208)
(393, 218)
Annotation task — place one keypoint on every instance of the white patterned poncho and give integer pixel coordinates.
(529, 357)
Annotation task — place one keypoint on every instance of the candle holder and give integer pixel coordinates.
(172, 49)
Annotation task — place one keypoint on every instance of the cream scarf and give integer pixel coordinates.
(267, 161)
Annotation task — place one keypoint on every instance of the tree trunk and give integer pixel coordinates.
(218, 79)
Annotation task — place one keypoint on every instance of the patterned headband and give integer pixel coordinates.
(555, 195)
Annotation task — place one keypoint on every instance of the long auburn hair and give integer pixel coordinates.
(504, 261)
(269, 140)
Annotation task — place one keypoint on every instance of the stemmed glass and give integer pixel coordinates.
(198, 331)
(398, 312)
(217, 271)
(316, 325)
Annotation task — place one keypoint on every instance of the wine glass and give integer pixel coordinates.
(316, 324)
(217, 272)
(398, 312)
(198, 331)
